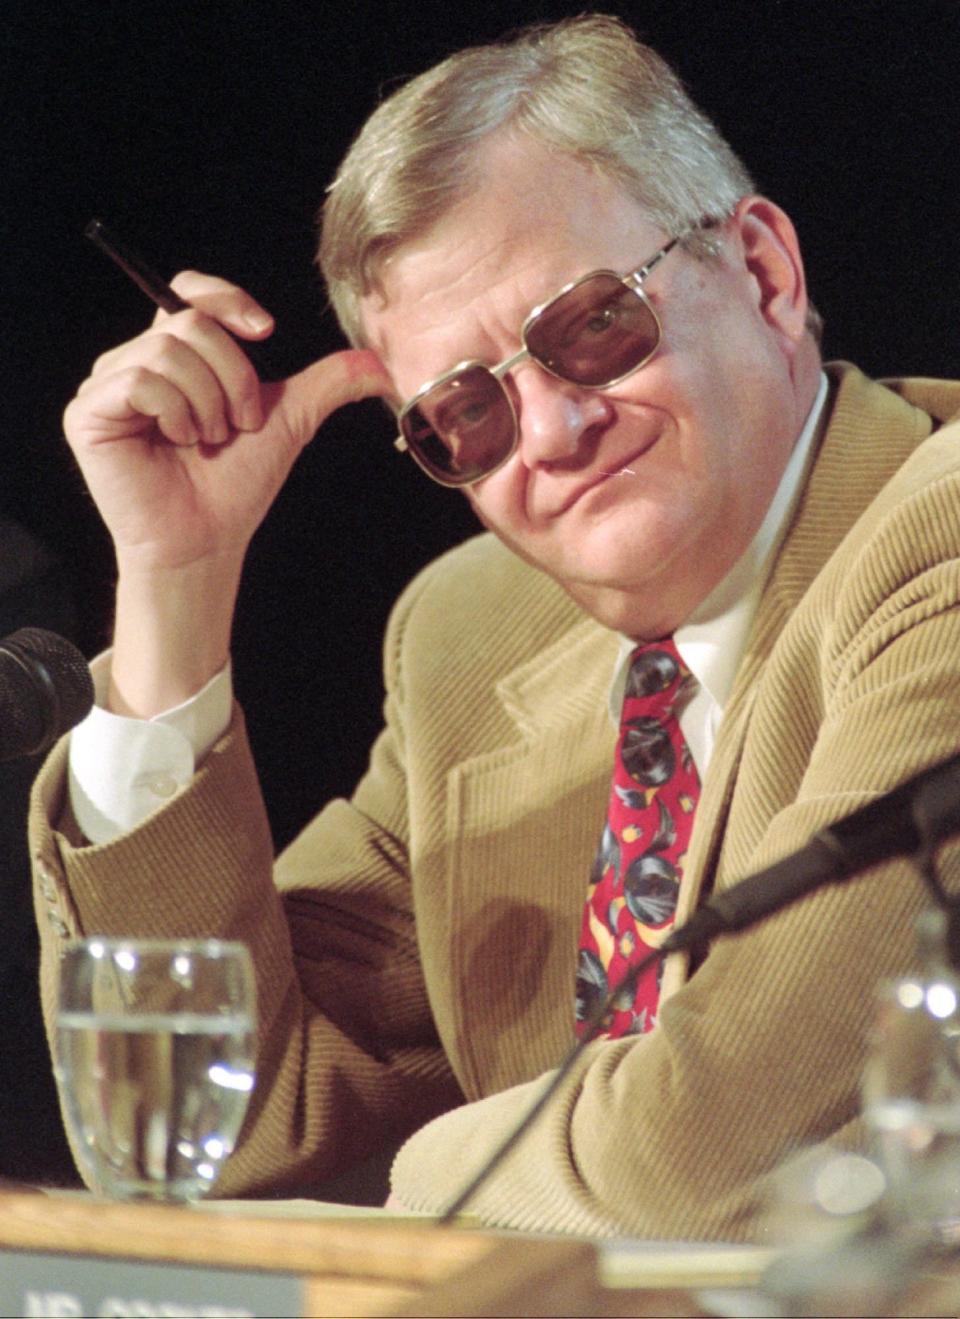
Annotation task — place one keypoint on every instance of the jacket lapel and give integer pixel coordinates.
(868, 435)
(533, 808)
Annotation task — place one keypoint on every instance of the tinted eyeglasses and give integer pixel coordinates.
(595, 332)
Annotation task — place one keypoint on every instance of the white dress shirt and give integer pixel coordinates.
(122, 770)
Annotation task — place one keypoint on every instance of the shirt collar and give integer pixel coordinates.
(711, 641)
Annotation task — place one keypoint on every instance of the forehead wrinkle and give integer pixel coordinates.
(499, 272)
(463, 288)
(482, 312)
(527, 202)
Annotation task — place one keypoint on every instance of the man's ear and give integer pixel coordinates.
(771, 252)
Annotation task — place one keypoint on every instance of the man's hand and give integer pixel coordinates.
(184, 451)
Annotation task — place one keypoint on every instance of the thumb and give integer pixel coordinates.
(308, 398)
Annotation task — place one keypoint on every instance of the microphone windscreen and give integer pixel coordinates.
(45, 689)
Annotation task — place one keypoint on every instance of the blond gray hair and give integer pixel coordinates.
(585, 86)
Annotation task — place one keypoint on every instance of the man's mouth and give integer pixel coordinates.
(602, 475)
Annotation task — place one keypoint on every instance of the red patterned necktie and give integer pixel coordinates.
(636, 874)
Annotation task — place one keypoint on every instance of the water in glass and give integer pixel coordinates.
(156, 1069)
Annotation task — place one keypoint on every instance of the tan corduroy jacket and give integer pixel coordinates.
(416, 946)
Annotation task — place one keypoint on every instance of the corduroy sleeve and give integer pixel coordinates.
(348, 1060)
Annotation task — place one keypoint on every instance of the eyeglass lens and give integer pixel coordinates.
(463, 427)
(594, 334)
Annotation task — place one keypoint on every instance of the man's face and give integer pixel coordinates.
(637, 498)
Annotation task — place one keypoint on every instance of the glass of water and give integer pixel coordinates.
(911, 1088)
(155, 1061)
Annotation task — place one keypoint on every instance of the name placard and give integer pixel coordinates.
(35, 1285)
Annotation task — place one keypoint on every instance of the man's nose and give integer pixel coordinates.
(558, 421)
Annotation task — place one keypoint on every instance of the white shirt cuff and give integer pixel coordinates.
(121, 770)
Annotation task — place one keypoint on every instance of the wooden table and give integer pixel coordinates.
(64, 1255)
(144, 1255)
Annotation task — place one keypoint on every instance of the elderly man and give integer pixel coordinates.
(562, 279)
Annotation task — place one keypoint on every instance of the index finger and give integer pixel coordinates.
(227, 303)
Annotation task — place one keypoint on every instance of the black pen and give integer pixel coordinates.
(133, 265)
(159, 291)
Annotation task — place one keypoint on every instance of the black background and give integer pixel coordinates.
(206, 133)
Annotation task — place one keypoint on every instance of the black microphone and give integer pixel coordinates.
(45, 688)
(917, 815)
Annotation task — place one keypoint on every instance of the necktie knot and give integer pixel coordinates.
(658, 678)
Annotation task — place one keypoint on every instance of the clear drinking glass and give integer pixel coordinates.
(911, 1088)
(155, 1061)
